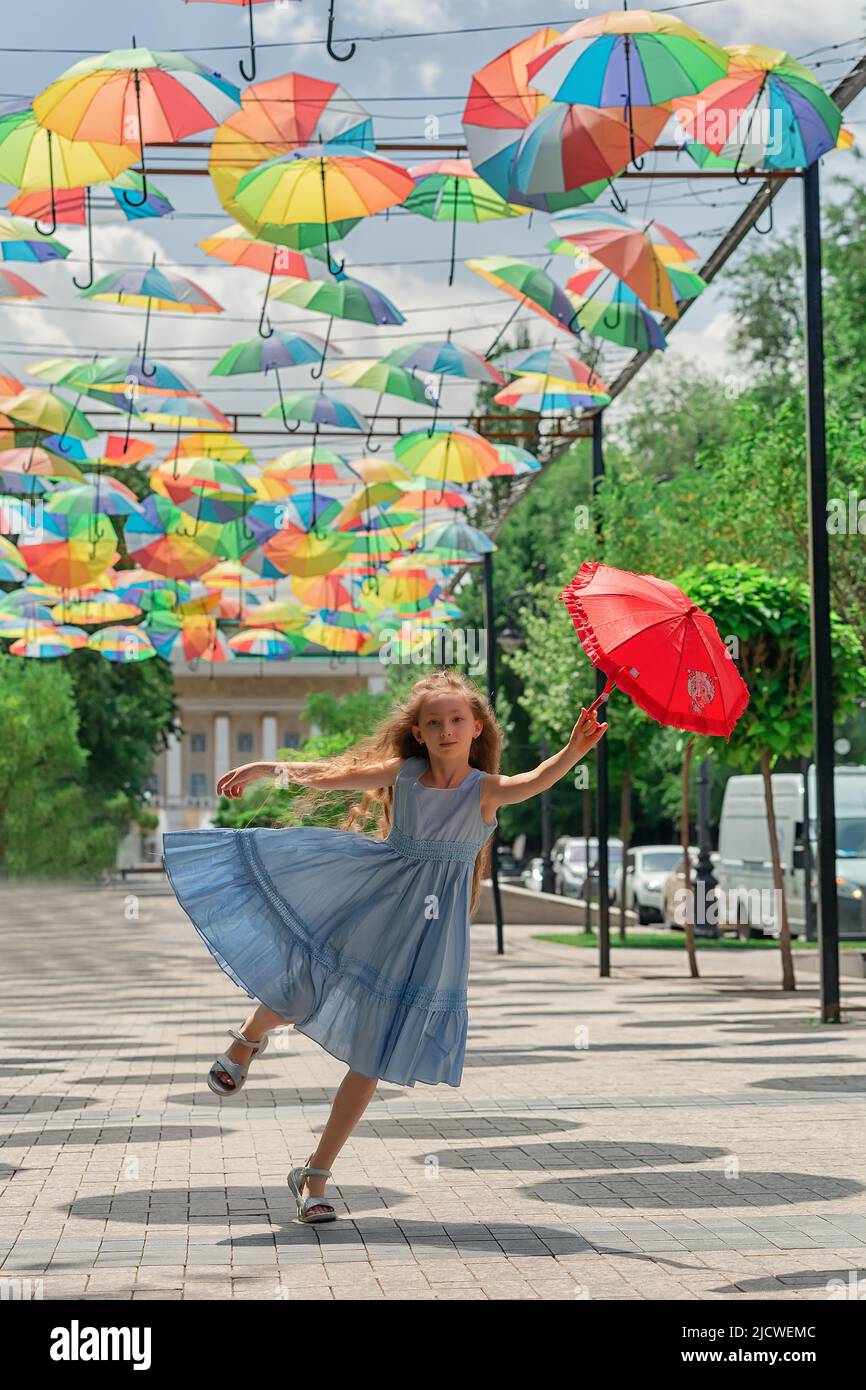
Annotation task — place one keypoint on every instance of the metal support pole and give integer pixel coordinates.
(491, 695)
(601, 753)
(548, 881)
(704, 875)
(819, 602)
(811, 931)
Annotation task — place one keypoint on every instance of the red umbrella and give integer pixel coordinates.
(658, 647)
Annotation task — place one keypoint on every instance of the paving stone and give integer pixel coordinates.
(124, 1178)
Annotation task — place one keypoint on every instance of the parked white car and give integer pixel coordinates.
(646, 868)
(745, 869)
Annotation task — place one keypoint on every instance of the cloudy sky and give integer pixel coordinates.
(412, 71)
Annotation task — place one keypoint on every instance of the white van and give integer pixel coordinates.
(745, 872)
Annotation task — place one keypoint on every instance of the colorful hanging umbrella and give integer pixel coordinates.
(285, 114)
(135, 96)
(113, 375)
(615, 312)
(35, 159)
(570, 146)
(20, 241)
(65, 553)
(629, 250)
(122, 644)
(453, 455)
(628, 58)
(539, 393)
(152, 288)
(384, 379)
(768, 112)
(530, 284)
(444, 359)
(236, 245)
(514, 461)
(552, 363)
(318, 408)
(264, 643)
(44, 411)
(500, 106)
(449, 190)
(342, 298)
(321, 184)
(248, 5)
(75, 206)
(656, 646)
(161, 539)
(14, 286)
(282, 348)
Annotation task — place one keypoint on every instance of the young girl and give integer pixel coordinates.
(362, 944)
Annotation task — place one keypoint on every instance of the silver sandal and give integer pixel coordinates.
(237, 1072)
(296, 1182)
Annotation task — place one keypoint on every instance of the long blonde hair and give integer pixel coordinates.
(393, 737)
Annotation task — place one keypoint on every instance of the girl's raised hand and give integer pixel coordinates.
(235, 782)
(586, 733)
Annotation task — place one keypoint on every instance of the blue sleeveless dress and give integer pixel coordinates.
(363, 944)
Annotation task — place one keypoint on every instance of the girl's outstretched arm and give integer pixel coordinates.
(499, 790)
(234, 782)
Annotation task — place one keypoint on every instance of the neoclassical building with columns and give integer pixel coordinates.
(230, 714)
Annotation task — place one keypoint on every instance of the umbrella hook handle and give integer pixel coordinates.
(603, 696)
(53, 228)
(765, 231)
(615, 198)
(316, 372)
(369, 446)
(615, 323)
(250, 77)
(139, 202)
(76, 282)
(270, 332)
(329, 43)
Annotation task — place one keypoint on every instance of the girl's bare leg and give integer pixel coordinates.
(353, 1096)
(259, 1022)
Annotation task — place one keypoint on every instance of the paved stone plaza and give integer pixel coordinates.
(645, 1137)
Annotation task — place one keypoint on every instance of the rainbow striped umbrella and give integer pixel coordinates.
(452, 455)
(444, 359)
(449, 190)
(555, 365)
(628, 58)
(161, 540)
(768, 111)
(514, 461)
(620, 316)
(320, 184)
(319, 409)
(21, 241)
(152, 288)
(67, 554)
(44, 646)
(539, 393)
(280, 348)
(341, 298)
(264, 643)
(122, 644)
(12, 568)
(35, 159)
(14, 286)
(135, 96)
(285, 114)
(530, 284)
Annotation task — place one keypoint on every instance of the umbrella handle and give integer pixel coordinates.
(316, 372)
(139, 202)
(250, 77)
(605, 694)
(53, 228)
(76, 282)
(329, 43)
(270, 332)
